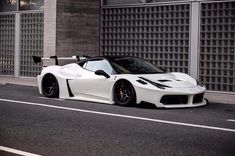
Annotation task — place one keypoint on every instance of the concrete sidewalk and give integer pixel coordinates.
(224, 98)
(211, 96)
(27, 81)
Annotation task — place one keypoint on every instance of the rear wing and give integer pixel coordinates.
(38, 59)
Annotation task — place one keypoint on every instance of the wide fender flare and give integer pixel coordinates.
(62, 82)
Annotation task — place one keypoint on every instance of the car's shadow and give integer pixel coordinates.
(144, 105)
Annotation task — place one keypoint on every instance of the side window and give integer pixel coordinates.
(95, 65)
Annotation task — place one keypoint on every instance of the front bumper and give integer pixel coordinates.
(191, 101)
(173, 97)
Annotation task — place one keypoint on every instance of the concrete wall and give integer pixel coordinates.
(49, 47)
(77, 27)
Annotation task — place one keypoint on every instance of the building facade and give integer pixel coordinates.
(45, 28)
(21, 36)
(191, 36)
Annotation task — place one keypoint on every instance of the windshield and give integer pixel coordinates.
(130, 65)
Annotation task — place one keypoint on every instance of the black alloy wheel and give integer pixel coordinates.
(124, 93)
(50, 86)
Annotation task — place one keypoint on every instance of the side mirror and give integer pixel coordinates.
(102, 73)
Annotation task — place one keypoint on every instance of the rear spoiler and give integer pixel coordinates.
(38, 59)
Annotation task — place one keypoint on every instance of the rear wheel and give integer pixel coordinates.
(50, 86)
(124, 93)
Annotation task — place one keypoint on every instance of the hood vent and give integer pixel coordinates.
(164, 80)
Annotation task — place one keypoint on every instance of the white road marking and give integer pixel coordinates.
(18, 152)
(231, 120)
(122, 116)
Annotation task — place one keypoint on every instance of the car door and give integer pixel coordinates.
(95, 86)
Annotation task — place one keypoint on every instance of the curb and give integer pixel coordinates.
(220, 98)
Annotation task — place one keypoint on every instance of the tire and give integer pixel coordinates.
(124, 93)
(50, 86)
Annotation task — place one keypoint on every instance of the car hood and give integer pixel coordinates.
(174, 80)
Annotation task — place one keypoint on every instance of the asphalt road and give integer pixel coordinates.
(51, 127)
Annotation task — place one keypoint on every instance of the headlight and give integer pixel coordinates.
(199, 83)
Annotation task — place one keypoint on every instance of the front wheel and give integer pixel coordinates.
(124, 93)
(50, 86)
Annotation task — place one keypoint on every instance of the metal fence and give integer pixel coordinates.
(159, 34)
(217, 55)
(21, 36)
(31, 39)
(7, 35)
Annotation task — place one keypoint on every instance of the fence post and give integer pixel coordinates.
(17, 45)
(194, 39)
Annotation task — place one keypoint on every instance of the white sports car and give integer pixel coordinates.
(122, 81)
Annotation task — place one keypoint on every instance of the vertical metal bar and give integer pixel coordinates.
(17, 45)
(17, 5)
(194, 39)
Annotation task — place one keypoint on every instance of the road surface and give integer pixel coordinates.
(33, 125)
